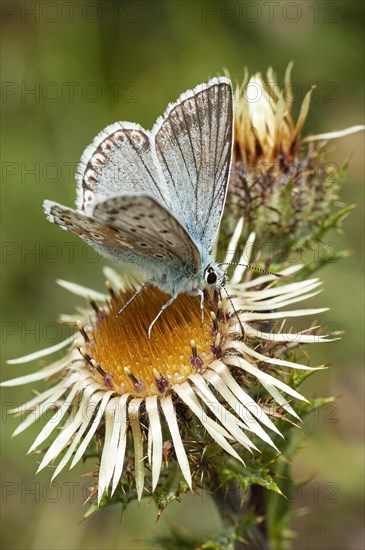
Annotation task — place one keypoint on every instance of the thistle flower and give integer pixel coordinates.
(135, 395)
(281, 183)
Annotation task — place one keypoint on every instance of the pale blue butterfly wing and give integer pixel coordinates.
(121, 159)
(134, 229)
(193, 142)
(173, 178)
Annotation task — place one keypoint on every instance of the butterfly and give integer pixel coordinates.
(155, 198)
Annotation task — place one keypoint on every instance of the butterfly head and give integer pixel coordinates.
(214, 276)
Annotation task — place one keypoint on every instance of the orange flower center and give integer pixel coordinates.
(130, 362)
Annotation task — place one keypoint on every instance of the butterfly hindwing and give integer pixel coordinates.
(148, 222)
(183, 163)
(155, 199)
(121, 159)
(134, 228)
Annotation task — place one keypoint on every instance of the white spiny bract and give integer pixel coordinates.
(89, 394)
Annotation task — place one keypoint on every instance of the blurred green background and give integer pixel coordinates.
(70, 69)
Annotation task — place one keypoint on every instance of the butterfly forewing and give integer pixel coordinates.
(155, 199)
(193, 143)
(121, 159)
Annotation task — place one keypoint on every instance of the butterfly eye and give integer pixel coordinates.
(211, 278)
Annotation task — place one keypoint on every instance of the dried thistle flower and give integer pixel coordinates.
(137, 395)
(280, 182)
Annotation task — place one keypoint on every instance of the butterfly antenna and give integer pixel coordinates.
(267, 272)
(234, 309)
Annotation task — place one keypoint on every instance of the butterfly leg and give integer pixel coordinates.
(201, 294)
(159, 313)
(147, 283)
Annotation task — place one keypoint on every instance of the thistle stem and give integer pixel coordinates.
(234, 509)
